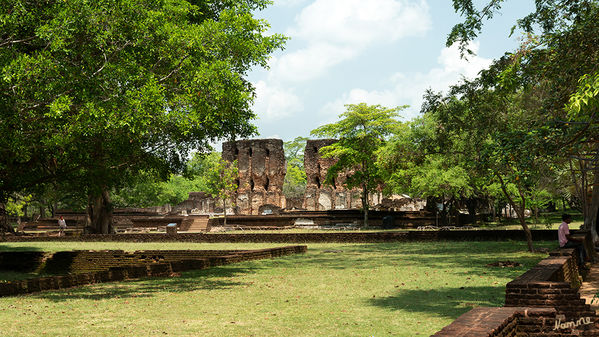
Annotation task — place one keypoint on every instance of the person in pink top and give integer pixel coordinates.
(567, 241)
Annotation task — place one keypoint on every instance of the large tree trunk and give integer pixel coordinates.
(471, 205)
(99, 212)
(519, 211)
(225, 212)
(365, 204)
(4, 225)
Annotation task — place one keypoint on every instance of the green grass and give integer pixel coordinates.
(378, 289)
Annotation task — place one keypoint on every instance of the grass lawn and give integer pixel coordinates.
(378, 289)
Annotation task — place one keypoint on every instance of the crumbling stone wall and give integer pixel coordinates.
(321, 197)
(197, 203)
(262, 169)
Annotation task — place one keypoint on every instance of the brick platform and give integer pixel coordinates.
(450, 235)
(87, 267)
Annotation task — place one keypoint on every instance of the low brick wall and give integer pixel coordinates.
(450, 235)
(553, 282)
(87, 267)
(536, 304)
(491, 322)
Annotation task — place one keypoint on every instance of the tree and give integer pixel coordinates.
(555, 67)
(416, 162)
(294, 185)
(222, 182)
(361, 132)
(92, 93)
(583, 108)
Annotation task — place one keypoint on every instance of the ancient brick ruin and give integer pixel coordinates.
(262, 169)
(320, 196)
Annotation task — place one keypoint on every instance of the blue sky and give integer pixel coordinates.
(385, 52)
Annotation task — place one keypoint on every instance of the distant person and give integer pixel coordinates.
(567, 241)
(62, 225)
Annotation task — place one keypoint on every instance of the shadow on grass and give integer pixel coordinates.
(9, 248)
(211, 279)
(447, 302)
(449, 256)
(457, 258)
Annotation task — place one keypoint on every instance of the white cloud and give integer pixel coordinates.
(289, 3)
(409, 88)
(359, 22)
(308, 63)
(338, 30)
(275, 103)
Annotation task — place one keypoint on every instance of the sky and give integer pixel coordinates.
(385, 52)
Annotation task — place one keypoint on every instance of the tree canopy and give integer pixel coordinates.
(361, 131)
(91, 93)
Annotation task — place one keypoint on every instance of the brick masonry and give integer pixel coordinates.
(514, 321)
(79, 268)
(320, 196)
(453, 235)
(261, 166)
(536, 304)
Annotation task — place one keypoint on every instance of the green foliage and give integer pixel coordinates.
(362, 131)
(222, 180)
(294, 185)
(16, 204)
(94, 92)
(549, 16)
(434, 178)
(294, 151)
(585, 101)
(295, 182)
(148, 190)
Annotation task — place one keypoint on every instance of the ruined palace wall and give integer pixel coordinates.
(321, 197)
(262, 169)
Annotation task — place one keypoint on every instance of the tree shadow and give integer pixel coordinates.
(211, 279)
(446, 302)
(447, 256)
(8, 248)
(12, 269)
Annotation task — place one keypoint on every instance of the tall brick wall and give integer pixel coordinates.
(262, 169)
(321, 197)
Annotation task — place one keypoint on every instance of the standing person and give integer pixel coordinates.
(567, 241)
(62, 224)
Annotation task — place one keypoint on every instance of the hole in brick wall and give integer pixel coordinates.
(334, 184)
(317, 181)
(315, 149)
(267, 152)
(252, 184)
(237, 182)
(266, 184)
(236, 151)
(250, 152)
